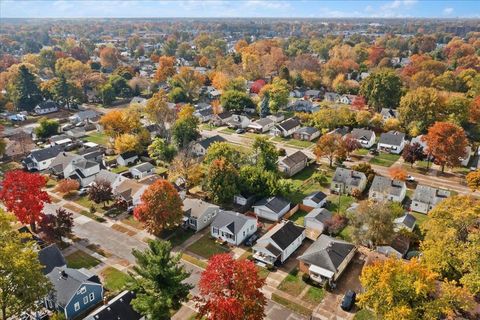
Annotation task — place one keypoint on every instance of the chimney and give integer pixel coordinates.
(63, 274)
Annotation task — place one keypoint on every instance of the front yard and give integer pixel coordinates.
(80, 259)
(293, 283)
(114, 280)
(206, 247)
(180, 236)
(385, 159)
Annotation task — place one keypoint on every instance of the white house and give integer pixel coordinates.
(200, 147)
(278, 243)
(41, 159)
(316, 199)
(314, 222)
(346, 181)
(347, 98)
(425, 198)
(292, 164)
(392, 142)
(405, 222)
(82, 170)
(366, 138)
(238, 121)
(306, 133)
(273, 208)
(387, 113)
(130, 191)
(286, 128)
(142, 170)
(262, 125)
(127, 158)
(233, 227)
(46, 107)
(198, 214)
(387, 189)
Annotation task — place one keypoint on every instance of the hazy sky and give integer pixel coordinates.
(229, 8)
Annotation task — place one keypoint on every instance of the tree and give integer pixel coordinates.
(278, 92)
(264, 105)
(127, 142)
(395, 289)
(22, 193)
(118, 122)
(47, 128)
(225, 150)
(160, 150)
(474, 111)
(157, 111)
(108, 94)
(24, 91)
(397, 173)
(22, 283)
(335, 224)
(189, 81)
(382, 89)
(66, 186)
(158, 281)
(161, 207)
(109, 57)
(100, 191)
(166, 68)
(231, 289)
(54, 227)
(330, 146)
(256, 180)
(451, 244)
(185, 130)
(447, 143)
(412, 153)
(366, 168)
(473, 180)
(66, 93)
(186, 168)
(372, 223)
(236, 101)
(222, 181)
(350, 144)
(265, 154)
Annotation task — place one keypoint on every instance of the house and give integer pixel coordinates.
(60, 162)
(76, 133)
(198, 214)
(312, 94)
(425, 198)
(262, 125)
(273, 208)
(314, 222)
(326, 259)
(405, 222)
(286, 128)
(114, 179)
(297, 93)
(398, 247)
(93, 153)
(278, 117)
(233, 227)
(387, 189)
(129, 191)
(365, 137)
(292, 164)
(316, 199)
(242, 202)
(342, 131)
(238, 121)
(60, 140)
(204, 115)
(46, 107)
(138, 100)
(142, 170)
(119, 308)
(306, 134)
(221, 119)
(86, 116)
(74, 292)
(82, 170)
(347, 98)
(40, 159)
(275, 246)
(200, 147)
(127, 158)
(331, 97)
(346, 181)
(304, 106)
(392, 141)
(388, 113)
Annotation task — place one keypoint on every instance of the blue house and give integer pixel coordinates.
(74, 292)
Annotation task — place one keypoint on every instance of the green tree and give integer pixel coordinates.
(264, 106)
(24, 91)
(22, 283)
(158, 281)
(47, 128)
(177, 95)
(185, 130)
(160, 150)
(227, 151)
(66, 93)
(222, 181)
(108, 94)
(278, 93)
(237, 101)
(382, 89)
(47, 58)
(265, 154)
(256, 180)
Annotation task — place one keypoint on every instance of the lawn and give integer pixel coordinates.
(4, 167)
(298, 217)
(180, 236)
(262, 272)
(199, 263)
(361, 152)
(291, 305)
(299, 143)
(114, 280)
(293, 283)
(160, 170)
(87, 203)
(119, 169)
(346, 233)
(98, 138)
(207, 247)
(385, 159)
(303, 185)
(345, 202)
(421, 218)
(80, 259)
(314, 295)
(131, 221)
(364, 314)
(227, 131)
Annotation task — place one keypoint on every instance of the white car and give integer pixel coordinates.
(410, 178)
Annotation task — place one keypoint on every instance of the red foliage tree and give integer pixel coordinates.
(22, 194)
(335, 224)
(230, 289)
(257, 86)
(474, 111)
(161, 207)
(67, 185)
(359, 103)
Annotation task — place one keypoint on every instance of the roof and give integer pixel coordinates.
(205, 143)
(276, 204)
(341, 131)
(430, 195)
(319, 214)
(224, 115)
(139, 100)
(143, 167)
(47, 153)
(196, 207)
(401, 244)
(386, 112)
(233, 221)
(284, 233)
(127, 188)
(47, 105)
(406, 220)
(307, 130)
(393, 138)
(87, 114)
(316, 196)
(128, 155)
(348, 177)
(327, 253)
(119, 308)
(205, 112)
(388, 186)
(294, 159)
(362, 134)
(289, 124)
(263, 122)
(61, 161)
(66, 282)
(51, 257)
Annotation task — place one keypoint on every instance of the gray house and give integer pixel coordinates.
(314, 222)
(365, 137)
(392, 142)
(426, 198)
(306, 133)
(233, 227)
(316, 199)
(387, 189)
(198, 214)
(292, 164)
(273, 208)
(200, 147)
(41, 159)
(142, 170)
(346, 181)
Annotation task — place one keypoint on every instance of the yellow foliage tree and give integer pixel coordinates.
(126, 142)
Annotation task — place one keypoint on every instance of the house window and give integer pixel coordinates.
(91, 296)
(76, 306)
(85, 300)
(215, 230)
(83, 290)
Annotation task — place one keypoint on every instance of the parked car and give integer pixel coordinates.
(410, 178)
(348, 300)
(240, 131)
(250, 241)
(130, 209)
(82, 191)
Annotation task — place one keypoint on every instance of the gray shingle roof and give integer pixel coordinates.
(196, 208)
(143, 167)
(307, 130)
(289, 124)
(386, 185)
(51, 257)
(263, 122)
(362, 134)
(316, 197)
(348, 177)
(294, 159)
(284, 233)
(319, 214)
(47, 153)
(393, 138)
(327, 253)
(119, 308)
(276, 204)
(233, 221)
(430, 195)
(407, 220)
(205, 143)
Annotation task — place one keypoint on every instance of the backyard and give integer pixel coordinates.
(298, 217)
(97, 137)
(304, 184)
(207, 247)
(339, 204)
(80, 259)
(385, 159)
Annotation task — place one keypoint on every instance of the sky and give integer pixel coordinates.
(238, 8)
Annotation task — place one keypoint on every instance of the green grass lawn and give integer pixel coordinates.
(421, 217)
(87, 203)
(345, 202)
(160, 170)
(300, 143)
(385, 159)
(180, 236)
(293, 283)
(228, 131)
(298, 217)
(4, 167)
(361, 152)
(314, 295)
(206, 247)
(291, 305)
(364, 314)
(119, 169)
(303, 184)
(199, 263)
(346, 233)
(114, 280)
(98, 138)
(80, 259)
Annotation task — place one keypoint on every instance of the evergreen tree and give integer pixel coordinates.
(264, 106)
(25, 93)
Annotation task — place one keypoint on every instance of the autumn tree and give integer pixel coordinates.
(394, 289)
(185, 130)
(189, 81)
(53, 227)
(447, 143)
(330, 146)
(165, 69)
(23, 194)
(158, 111)
(100, 191)
(186, 168)
(474, 111)
(225, 150)
(350, 144)
(127, 142)
(47, 128)
(397, 173)
(230, 289)
(161, 207)
(236, 101)
(382, 89)
(412, 153)
(22, 283)
(118, 122)
(109, 57)
(66, 186)
(158, 280)
(221, 181)
(278, 92)
(160, 150)
(265, 155)
(473, 180)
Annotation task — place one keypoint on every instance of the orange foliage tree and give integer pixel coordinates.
(166, 68)
(67, 185)
(397, 173)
